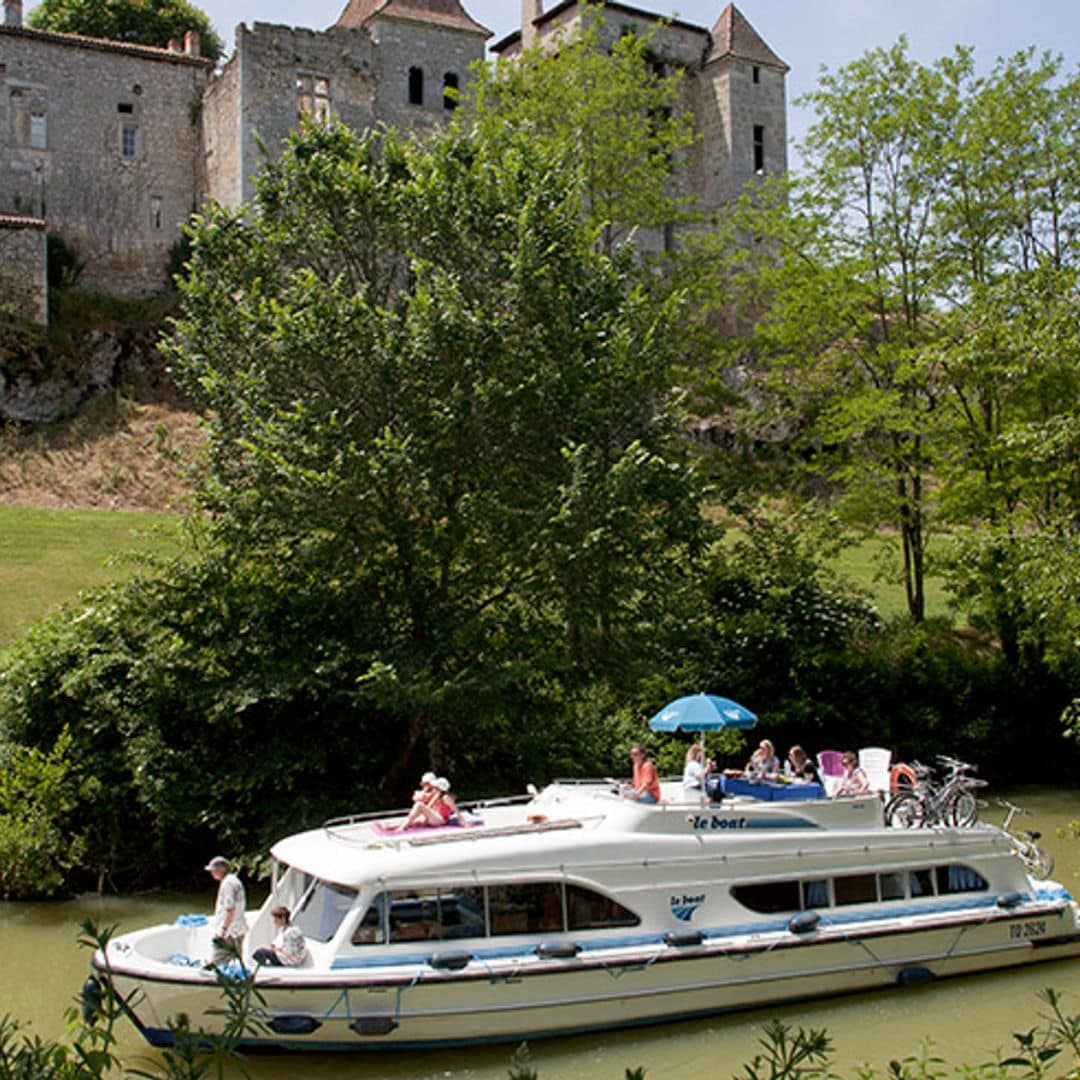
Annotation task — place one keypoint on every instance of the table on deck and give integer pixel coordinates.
(768, 792)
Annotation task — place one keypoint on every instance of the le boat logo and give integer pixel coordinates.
(683, 907)
(702, 822)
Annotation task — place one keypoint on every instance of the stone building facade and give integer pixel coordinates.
(101, 140)
(113, 145)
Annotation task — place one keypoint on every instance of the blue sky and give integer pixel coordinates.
(805, 33)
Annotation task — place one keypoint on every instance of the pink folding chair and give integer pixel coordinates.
(830, 765)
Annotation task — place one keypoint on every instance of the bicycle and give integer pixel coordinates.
(1039, 861)
(953, 803)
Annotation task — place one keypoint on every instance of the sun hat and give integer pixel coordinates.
(218, 862)
(428, 778)
(442, 783)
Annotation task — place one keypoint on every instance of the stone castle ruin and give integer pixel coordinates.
(111, 146)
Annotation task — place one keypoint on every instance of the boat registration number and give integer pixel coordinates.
(1028, 929)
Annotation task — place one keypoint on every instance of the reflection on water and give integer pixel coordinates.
(41, 970)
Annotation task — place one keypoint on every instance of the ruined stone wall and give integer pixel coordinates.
(100, 139)
(23, 283)
(222, 177)
(437, 51)
(284, 71)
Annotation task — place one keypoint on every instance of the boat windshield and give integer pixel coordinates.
(317, 906)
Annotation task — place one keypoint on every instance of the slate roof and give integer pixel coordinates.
(440, 12)
(734, 36)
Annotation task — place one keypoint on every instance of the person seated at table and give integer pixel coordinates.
(854, 780)
(696, 770)
(800, 768)
(644, 787)
(763, 761)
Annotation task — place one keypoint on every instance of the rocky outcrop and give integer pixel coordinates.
(30, 393)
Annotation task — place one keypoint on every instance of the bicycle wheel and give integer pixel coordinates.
(905, 811)
(961, 810)
(1039, 861)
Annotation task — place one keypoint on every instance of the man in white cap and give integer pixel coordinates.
(229, 924)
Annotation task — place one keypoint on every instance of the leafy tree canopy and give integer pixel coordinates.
(427, 387)
(143, 22)
(614, 110)
(915, 299)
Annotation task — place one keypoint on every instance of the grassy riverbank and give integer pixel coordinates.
(49, 556)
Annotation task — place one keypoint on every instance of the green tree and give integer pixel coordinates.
(448, 511)
(612, 108)
(426, 386)
(931, 201)
(145, 22)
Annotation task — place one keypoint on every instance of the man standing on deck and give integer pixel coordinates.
(645, 786)
(229, 924)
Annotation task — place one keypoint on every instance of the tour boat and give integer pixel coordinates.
(574, 909)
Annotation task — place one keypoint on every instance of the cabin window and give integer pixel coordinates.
(526, 909)
(815, 894)
(588, 910)
(892, 886)
(424, 915)
(955, 879)
(371, 929)
(855, 889)
(769, 896)
(921, 883)
(322, 908)
(416, 86)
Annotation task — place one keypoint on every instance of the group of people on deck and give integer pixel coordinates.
(644, 786)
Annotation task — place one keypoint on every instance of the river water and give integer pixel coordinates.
(967, 1019)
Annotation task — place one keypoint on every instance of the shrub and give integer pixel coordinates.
(38, 841)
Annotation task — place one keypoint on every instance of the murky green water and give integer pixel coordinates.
(41, 969)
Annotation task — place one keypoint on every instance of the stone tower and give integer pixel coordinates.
(734, 86)
(743, 110)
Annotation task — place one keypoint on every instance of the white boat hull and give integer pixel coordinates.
(508, 999)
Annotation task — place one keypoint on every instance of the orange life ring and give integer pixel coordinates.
(901, 777)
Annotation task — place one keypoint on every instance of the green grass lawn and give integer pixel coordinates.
(49, 556)
(860, 563)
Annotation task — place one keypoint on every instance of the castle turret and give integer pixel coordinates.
(13, 12)
(745, 124)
